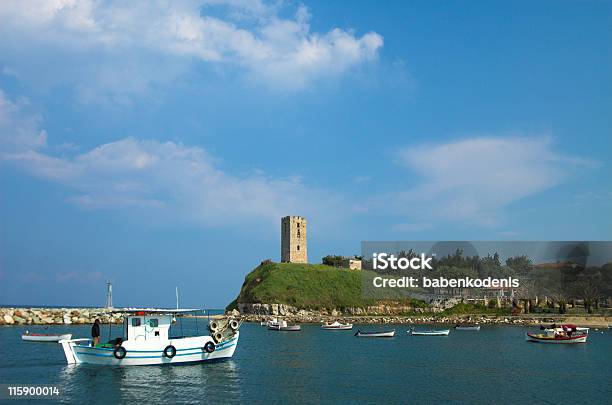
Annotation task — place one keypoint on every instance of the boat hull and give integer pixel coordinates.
(342, 327)
(376, 334)
(290, 328)
(533, 337)
(429, 333)
(467, 327)
(45, 338)
(188, 350)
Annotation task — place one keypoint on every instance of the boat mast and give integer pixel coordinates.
(109, 295)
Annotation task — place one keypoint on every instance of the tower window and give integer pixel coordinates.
(298, 247)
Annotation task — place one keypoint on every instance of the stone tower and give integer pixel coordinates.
(294, 248)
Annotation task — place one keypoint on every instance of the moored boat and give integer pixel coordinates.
(563, 334)
(146, 340)
(337, 326)
(547, 338)
(443, 332)
(381, 334)
(467, 327)
(283, 326)
(44, 337)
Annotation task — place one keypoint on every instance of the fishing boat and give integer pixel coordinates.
(146, 340)
(269, 322)
(381, 334)
(44, 337)
(443, 332)
(337, 326)
(564, 334)
(283, 326)
(467, 327)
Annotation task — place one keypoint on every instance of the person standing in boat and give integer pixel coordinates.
(95, 332)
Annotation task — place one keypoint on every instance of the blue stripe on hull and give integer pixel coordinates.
(151, 351)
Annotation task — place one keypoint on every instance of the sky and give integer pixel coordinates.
(158, 144)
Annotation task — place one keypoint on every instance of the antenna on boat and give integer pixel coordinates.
(109, 294)
(177, 304)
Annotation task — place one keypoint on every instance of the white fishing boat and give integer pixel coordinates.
(443, 332)
(146, 341)
(283, 326)
(44, 337)
(467, 327)
(337, 326)
(381, 334)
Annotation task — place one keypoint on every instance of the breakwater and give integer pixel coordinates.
(57, 316)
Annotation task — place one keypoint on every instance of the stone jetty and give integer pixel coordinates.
(56, 316)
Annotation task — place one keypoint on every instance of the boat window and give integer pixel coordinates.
(135, 321)
(154, 323)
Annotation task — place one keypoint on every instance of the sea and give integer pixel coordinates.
(492, 366)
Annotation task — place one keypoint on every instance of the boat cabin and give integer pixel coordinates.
(143, 326)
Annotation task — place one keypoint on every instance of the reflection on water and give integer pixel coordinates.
(152, 384)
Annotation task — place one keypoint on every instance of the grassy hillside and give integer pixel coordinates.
(304, 286)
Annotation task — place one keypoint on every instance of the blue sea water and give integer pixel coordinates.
(493, 366)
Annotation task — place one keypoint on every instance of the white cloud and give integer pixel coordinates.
(474, 179)
(124, 48)
(166, 179)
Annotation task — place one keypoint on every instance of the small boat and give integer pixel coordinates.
(443, 332)
(337, 326)
(389, 333)
(564, 334)
(467, 327)
(44, 337)
(556, 338)
(283, 326)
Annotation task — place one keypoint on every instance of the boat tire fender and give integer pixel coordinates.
(214, 326)
(209, 347)
(170, 351)
(234, 324)
(119, 352)
(218, 337)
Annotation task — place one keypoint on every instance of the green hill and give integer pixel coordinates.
(308, 286)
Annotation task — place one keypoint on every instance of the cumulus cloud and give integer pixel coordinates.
(169, 179)
(474, 179)
(123, 48)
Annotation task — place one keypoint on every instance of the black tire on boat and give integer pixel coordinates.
(170, 351)
(119, 352)
(209, 347)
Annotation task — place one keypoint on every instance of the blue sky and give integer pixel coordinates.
(158, 144)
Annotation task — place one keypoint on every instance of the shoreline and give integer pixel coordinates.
(596, 321)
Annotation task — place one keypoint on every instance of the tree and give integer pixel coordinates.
(588, 291)
(520, 264)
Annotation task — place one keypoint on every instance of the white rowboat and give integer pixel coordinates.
(467, 327)
(390, 333)
(337, 326)
(444, 332)
(44, 337)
